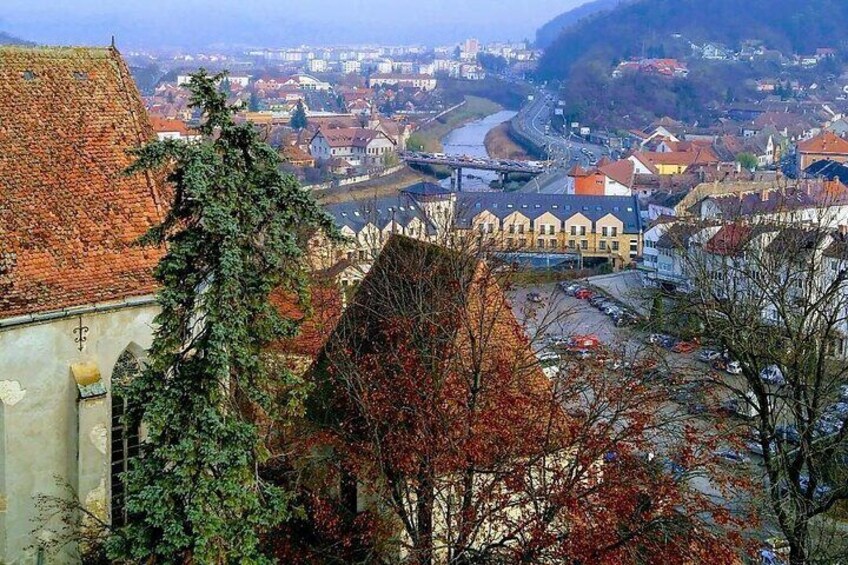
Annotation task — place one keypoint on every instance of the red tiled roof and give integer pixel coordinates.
(68, 214)
(728, 240)
(828, 143)
(621, 172)
(167, 125)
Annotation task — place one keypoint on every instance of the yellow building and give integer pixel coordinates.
(597, 227)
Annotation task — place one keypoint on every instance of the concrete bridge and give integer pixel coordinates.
(459, 162)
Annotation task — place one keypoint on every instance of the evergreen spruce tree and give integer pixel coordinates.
(298, 119)
(233, 234)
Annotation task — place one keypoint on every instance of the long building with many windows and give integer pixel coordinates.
(602, 228)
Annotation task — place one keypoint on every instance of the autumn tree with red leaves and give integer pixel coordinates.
(434, 436)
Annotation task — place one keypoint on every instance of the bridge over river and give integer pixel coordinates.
(459, 162)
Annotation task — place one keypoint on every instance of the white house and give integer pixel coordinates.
(358, 146)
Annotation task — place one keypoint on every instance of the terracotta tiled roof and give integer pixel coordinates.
(620, 171)
(827, 143)
(68, 214)
(167, 125)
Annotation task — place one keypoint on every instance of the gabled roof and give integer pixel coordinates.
(69, 216)
(827, 143)
(729, 240)
(621, 172)
(350, 137)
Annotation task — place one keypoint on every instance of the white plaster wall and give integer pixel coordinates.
(49, 433)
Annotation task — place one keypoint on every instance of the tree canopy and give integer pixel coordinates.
(234, 233)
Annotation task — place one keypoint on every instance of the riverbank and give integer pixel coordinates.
(377, 188)
(500, 145)
(429, 138)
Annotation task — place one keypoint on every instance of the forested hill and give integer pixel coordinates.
(549, 32)
(6, 39)
(790, 26)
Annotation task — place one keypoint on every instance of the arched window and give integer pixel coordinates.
(125, 440)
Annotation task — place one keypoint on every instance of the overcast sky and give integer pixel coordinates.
(196, 23)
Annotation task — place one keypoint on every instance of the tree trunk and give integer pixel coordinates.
(424, 514)
(798, 544)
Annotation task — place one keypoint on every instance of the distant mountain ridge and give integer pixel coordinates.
(549, 32)
(791, 26)
(6, 39)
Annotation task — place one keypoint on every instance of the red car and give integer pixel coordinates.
(685, 347)
(584, 294)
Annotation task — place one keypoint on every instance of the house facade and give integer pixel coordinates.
(358, 146)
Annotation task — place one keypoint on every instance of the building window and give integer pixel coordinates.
(582, 230)
(540, 243)
(613, 231)
(634, 245)
(573, 230)
(571, 243)
(510, 242)
(604, 232)
(584, 244)
(521, 228)
(552, 244)
(603, 245)
(511, 228)
(125, 436)
(615, 246)
(551, 230)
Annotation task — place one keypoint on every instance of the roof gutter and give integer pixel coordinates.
(43, 317)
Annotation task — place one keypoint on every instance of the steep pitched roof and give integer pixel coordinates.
(620, 171)
(827, 143)
(68, 214)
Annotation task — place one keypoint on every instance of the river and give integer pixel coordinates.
(470, 140)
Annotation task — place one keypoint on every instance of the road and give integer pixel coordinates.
(533, 121)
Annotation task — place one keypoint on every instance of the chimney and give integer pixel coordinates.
(764, 195)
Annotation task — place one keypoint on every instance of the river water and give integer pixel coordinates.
(470, 140)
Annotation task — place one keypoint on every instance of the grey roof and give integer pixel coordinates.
(562, 206)
(379, 211)
(426, 189)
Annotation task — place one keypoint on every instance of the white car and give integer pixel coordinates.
(734, 368)
(708, 355)
(772, 375)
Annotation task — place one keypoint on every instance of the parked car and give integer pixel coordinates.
(534, 297)
(584, 294)
(733, 368)
(597, 300)
(732, 456)
(756, 447)
(708, 355)
(611, 310)
(684, 347)
(625, 318)
(772, 375)
(568, 288)
(550, 362)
